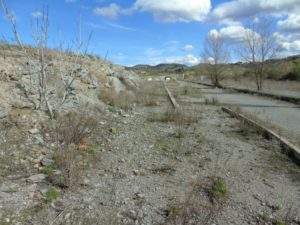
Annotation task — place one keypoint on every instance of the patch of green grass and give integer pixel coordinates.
(51, 195)
(219, 189)
(280, 222)
(48, 170)
(179, 134)
(37, 208)
(172, 210)
(55, 115)
(92, 151)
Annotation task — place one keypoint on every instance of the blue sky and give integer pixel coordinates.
(155, 31)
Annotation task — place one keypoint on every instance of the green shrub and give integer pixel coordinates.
(55, 115)
(294, 74)
(219, 188)
(280, 223)
(48, 170)
(51, 195)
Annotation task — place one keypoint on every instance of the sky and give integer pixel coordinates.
(154, 31)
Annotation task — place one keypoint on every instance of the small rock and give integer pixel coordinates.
(47, 162)
(83, 147)
(136, 172)
(34, 131)
(58, 205)
(92, 87)
(38, 178)
(113, 130)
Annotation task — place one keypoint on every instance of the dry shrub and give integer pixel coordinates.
(179, 116)
(212, 101)
(70, 167)
(200, 205)
(74, 128)
(123, 100)
(148, 92)
(129, 86)
(70, 131)
(109, 96)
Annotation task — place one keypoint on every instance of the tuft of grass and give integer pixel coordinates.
(48, 170)
(211, 101)
(55, 115)
(164, 169)
(219, 188)
(172, 210)
(280, 223)
(51, 195)
(123, 100)
(92, 151)
(197, 207)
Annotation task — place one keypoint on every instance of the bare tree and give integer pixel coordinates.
(41, 61)
(258, 46)
(216, 55)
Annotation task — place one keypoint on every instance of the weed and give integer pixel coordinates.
(280, 223)
(48, 170)
(108, 96)
(55, 115)
(211, 101)
(219, 189)
(191, 91)
(51, 195)
(37, 208)
(197, 207)
(123, 100)
(164, 169)
(71, 168)
(73, 128)
(172, 210)
(92, 151)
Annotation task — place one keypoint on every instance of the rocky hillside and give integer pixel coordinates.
(92, 76)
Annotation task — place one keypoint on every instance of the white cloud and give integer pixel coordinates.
(112, 11)
(36, 14)
(110, 25)
(290, 24)
(170, 11)
(189, 60)
(121, 27)
(188, 48)
(290, 44)
(231, 34)
(240, 9)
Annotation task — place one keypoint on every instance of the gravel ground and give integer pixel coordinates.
(143, 173)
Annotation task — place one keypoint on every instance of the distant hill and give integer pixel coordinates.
(159, 66)
(283, 68)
